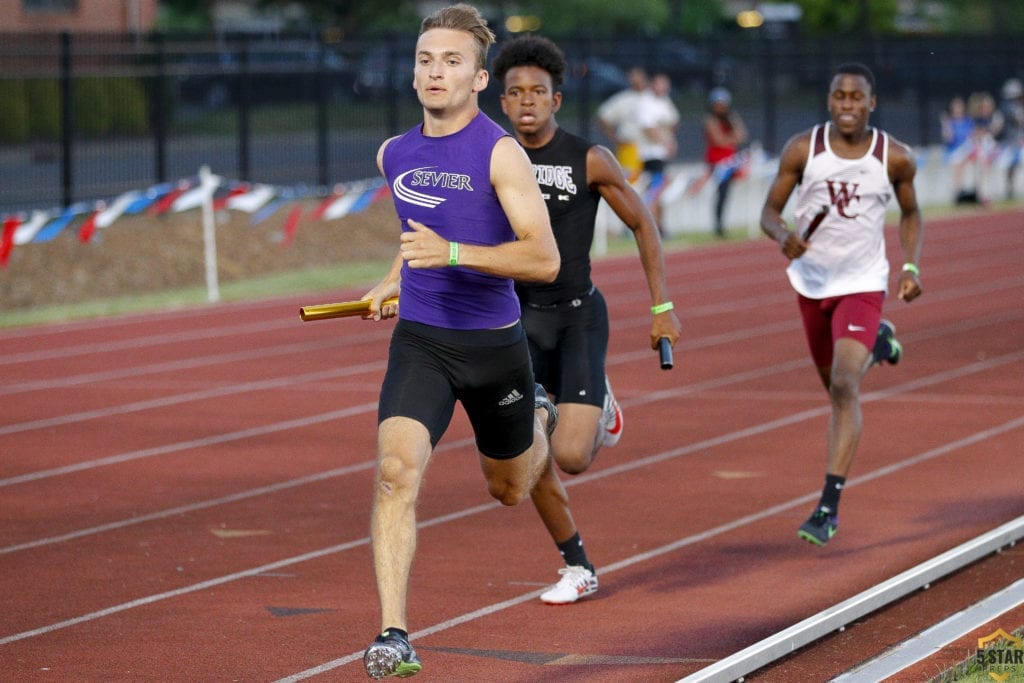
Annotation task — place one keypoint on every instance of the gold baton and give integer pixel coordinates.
(343, 309)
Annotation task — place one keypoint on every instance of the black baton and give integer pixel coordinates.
(665, 353)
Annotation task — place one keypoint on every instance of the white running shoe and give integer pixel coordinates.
(611, 417)
(576, 582)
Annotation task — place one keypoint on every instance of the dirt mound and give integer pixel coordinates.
(139, 254)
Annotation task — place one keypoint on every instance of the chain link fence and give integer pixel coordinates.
(87, 117)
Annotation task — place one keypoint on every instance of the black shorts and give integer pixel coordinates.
(568, 345)
(488, 371)
(654, 165)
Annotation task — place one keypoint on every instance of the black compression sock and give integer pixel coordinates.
(831, 492)
(573, 552)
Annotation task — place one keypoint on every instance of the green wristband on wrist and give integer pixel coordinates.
(662, 308)
(911, 268)
(453, 253)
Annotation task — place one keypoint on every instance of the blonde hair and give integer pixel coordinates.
(463, 17)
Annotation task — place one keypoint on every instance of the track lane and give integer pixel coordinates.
(702, 413)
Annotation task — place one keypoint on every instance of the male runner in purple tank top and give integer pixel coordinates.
(472, 220)
(567, 320)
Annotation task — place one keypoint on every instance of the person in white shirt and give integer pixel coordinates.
(658, 119)
(617, 118)
(1011, 136)
(844, 173)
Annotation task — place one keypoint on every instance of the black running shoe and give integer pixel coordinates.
(541, 400)
(887, 348)
(390, 654)
(819, 527)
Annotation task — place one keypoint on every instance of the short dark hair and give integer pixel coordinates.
(856, 69)
(530, 51)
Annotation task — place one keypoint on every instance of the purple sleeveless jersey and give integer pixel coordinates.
(444, 183)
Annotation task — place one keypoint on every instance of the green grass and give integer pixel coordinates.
(281, 284)
(313, 280)
(970, 671)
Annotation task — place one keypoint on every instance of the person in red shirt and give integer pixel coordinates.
(724, 133)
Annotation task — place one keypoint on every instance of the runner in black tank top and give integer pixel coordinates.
(561, 170)
(566, 321)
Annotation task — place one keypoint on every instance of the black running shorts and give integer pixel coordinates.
(568, 344)
(488, 371)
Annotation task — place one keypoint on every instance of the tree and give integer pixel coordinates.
(996, 16)
(185, 15)
(346, 15)
(826, 17)
(354, 15)
(601, 17)
(646, 17)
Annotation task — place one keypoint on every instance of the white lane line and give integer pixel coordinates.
(934, 378)
(640, 557)
(184, 364)
(188, 397)
(646, 399)
(671, 547)
(738, 304)
(298, 423)
(143, 341)
(191, 507)
(615, 359)
(213, 502)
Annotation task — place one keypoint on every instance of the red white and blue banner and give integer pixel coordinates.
(261, 201)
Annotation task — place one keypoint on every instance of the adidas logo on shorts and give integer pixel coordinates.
(512, 397)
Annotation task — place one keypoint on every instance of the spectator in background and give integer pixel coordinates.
(617, 118)
(724, 134)
(987, 122)
(659, 120)
(1011, 135)
(957, 127)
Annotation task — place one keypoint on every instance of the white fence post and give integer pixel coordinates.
(208, 182)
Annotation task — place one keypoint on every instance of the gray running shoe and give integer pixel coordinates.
(541, 400)
(390, 654)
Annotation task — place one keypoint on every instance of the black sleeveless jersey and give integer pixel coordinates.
(561, 170)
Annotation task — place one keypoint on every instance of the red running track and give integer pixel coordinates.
(186, 494)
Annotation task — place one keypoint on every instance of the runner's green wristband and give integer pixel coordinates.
(453, 253)
(911, 268)
(662, 308)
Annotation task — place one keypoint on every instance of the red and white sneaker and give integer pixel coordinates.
(611, 417)
(576, 582)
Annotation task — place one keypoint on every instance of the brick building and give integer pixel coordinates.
(83, 16)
